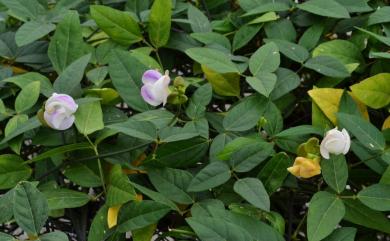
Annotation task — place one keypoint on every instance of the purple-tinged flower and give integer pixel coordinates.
(59, 110)
(155, 90)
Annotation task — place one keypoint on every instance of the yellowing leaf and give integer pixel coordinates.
(374, 91)
(386, 123)
(112, 216)
(328, 100)
(223, 84)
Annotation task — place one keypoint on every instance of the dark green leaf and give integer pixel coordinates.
(253, 191)
(325, 212)
(30, 208)
(335, 172)
(212, 175)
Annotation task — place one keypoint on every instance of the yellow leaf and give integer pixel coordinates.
(223, 84)
(112, 216)
(386, 123)
(328, 100)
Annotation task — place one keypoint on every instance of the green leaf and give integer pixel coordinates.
(61, 150)
(27, 97)
(264, 83)
(65, 198)
(265, 59)
(30, 208)
(376, 197)
(251, 107)
(365, 132)
(32, 30)
(287, 80)
(253, 191)
(159, 26)
(211, 38)
(254, 7)
(67, 44)
(381, 38)
(89, 118)
(291, 50)
(180, 153)
(156, 196)
(266, 17)
(140, 129)
(120, 189)
(135, 215)
(30, 124)
(325, 212)
(174, 133)
(345, 51)
(273, 118)
(328, 66)
(6, 237)
(282, 29)
(12, 171)
(217, 229)
(373, 91)
(275, 171)
(342, 234)
(6, 204)
(99, 226)
(355, 6)
(244, 34)
(85, 174)
(197, 105)
(145, 233)
(335, 172)
(198, 21)
(53, 236)
(126, 74)
(227, 84)
(311, 36)
(172, 183)
(216, 60)
(249, 156)
(360, 214)
(120, 26)
(24, 10)
(212, 175)
(329, 8)
(69, 80)
(23, 80)
(381, 15)
(235, 145)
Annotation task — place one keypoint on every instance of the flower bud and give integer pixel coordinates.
(59, 110)
(305, 167)
(335, 142)
(155, 90)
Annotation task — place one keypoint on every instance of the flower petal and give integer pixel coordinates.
(148, 95)
(151, 76)
(347, 139)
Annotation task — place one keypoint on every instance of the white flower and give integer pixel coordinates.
(335, 142)
(59, 110)
(155, 90)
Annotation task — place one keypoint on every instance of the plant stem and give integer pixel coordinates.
(296, 232)
(348, 197)
(99, 164)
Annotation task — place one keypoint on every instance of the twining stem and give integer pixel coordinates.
(99, 164)
(90, 158)
(295, 234)
(348, 197)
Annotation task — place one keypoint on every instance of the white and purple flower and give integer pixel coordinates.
(155, 90)
(59, 111)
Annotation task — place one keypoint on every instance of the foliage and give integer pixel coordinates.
(255, 85)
